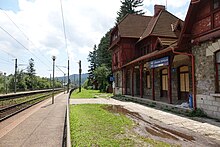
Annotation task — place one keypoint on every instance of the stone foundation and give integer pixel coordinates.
(117, 90)
(209, 104)
(205, 74)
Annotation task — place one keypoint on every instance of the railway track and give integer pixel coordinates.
(9, 110)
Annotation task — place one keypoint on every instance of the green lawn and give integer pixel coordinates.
(94, 125)
(89, 94)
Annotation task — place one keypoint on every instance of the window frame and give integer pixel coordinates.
(213, 4)
(184, 73)
(217, 89)
(117, 80)
(148, 80)
(164, 86)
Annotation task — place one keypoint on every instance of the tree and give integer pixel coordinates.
(103, 54)
(99, 57)
(92, 58)
(31, 72)
(101, 74)
(129, 7)
(21, 83)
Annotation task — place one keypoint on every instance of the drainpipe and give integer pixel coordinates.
(193, 74)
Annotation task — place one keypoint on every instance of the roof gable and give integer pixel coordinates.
(161, 25)
(133, 25)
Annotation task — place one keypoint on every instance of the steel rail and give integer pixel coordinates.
(26, 106)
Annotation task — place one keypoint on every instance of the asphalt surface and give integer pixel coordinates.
(42, 125)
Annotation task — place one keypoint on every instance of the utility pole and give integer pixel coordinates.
(68, 78)
(53, 57)
(80, 70)
(5, 83)
(15, 77)
(50, 81)
(74, 79)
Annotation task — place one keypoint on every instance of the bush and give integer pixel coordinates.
(197, 113)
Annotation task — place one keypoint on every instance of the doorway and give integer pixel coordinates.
(184, 82)
(164, 82)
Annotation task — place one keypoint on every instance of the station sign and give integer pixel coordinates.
(112, 79)
(159, 62)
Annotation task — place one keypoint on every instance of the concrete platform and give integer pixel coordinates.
(41, 125)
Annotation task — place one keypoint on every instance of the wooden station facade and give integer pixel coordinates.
(153, 56)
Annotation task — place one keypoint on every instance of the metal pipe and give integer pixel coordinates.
(193, 73)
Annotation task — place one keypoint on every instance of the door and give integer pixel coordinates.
(164, 82)
(184, 82)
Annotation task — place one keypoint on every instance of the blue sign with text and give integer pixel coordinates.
(159, 62)
(112, 79)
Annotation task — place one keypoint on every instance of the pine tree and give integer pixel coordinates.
(31, 72)
(103, 54)
(129, 7)
(92, 58)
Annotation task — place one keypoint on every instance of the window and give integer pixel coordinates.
(217, 57)
(117, 79)
(216, 4)
(184, 79)
(143, 51)
(148, 79)
(115, 36)
(164, 79)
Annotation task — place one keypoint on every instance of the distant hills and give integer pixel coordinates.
(75, 78)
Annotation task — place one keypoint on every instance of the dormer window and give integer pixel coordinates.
(176, 26)
(172, 27)
(179, 27)
(216, 4)
(115, 36)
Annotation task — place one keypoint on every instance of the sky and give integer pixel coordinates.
(34, 29)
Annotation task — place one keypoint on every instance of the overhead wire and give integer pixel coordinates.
(13, 56)
(23, 33)
(22, 45)
(60, 69)
(64, 28)
(6, 61)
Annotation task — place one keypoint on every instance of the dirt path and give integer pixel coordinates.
(162, 126)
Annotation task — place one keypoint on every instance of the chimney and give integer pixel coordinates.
(158, 8)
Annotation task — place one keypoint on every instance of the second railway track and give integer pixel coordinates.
(8, 110)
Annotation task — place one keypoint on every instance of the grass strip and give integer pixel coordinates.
(94, 125)
(91, 125)
(89, 94)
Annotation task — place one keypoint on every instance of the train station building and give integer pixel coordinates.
(164, 59)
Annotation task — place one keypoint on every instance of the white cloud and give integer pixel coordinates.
(53, 52)
(172, 3)
(41, 20)
(86, 22)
